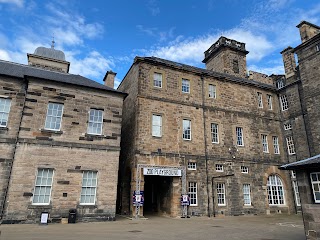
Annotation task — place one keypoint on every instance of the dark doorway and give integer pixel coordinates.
(157, 194)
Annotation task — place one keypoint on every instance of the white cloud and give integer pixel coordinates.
(276, 69)
(18, 3)
(155, 32)
(153, 7)
(4, 55)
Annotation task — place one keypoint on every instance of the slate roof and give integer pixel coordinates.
(203, 71)
(306, 163)
(21, 70)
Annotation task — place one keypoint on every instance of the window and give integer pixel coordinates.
(221, 194)
(246, 195)
(214, 133)
(192, 166)
(318, 47)
(280, 83)
(275, 141)
(156, 125)
(43, 185)
(244, 169)
(185, 85)
(239, 136)
(89, 188)
(192, 191)
(157, 80)
(284, 102)
(186, 135)
(54, 116)
(275, 190)
(269, 100)
(235, 66)
(290, 145)
(296, 192)
(315, 182)
(95, 122)
(287, 126)
(5, 104)
(293, 174)
(212, 91)
(260, 105)
(219, 167)
(264, 143)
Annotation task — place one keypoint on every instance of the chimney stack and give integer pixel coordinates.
(307, 30)
(288, 61)
(109, 79)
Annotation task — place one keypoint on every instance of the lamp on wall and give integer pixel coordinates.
(233, 150)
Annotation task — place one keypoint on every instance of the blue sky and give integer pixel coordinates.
(99, 35)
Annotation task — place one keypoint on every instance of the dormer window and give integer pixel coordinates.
(280, 83)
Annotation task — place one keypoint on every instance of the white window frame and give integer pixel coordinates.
(95, 120)
(318, 47)
(192, 192)
(244, 169)
(91, 176)
(214, 133)
(54, 113)
(246, 194)
(5, 105)
(280, 84)
(284, 103)
(275, 190)
(192, 166)
(156, 125)
(212, 91)
(185, 85)
(287, 126)
(315, 181)
(157, 80)
(276, 148)
(186, 129)
(43, 186)
(290, 145)
(221, 194)
(296, 192)
(219, 168)
(260, 103)
(269, 101)
(264, 140)
(239, 134)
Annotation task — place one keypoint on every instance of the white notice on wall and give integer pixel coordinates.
(162, 171)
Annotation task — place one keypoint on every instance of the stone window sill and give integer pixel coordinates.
(51, 131)
(87, 206)
(31, 206)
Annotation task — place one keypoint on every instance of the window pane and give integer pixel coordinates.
(54, 116)
(43, 186)
(95, 122)
(89, 184)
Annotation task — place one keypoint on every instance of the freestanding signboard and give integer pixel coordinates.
(185, 200)
(138, 198)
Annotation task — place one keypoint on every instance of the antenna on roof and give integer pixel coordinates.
(52, 44)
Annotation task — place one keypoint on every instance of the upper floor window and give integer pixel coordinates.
(186, 125)
(235, 66)
(5, 104)
(264, 143)
(212, 91)
(287, 126)
(275, 190)
(89, 188)
(284, 102)
(54, 116)
(315, 182)
(214, 133)
(42, 188)
(296, 192)
(290, 145)
(192, 166)
(156, 125)
(219, 167)
(275, 141)
(95, 122)
(269, 101)
(239, 133)
(185, 86)
(280, 83)
(318, 47)
(157, 80)
(244, 169)
(260, 105)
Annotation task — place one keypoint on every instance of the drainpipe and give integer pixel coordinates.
(14, 151)
(205, 144)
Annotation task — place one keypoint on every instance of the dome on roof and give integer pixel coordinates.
(50, 53)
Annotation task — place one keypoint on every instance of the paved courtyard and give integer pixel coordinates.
(276, 227)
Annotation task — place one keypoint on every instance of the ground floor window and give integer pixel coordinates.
(275, 190)
(192, 191)
(315, 182)
(89, 188)
(296, 192)
(221, 194)
(43, 186)
(246, 194)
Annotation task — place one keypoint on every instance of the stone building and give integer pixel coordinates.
(59, 141)
(215, 134)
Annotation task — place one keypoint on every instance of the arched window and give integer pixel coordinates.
(275, 190)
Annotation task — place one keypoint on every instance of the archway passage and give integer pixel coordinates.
(157, 195)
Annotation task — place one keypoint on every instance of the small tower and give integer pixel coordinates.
(307, 30)
(227, 56)
(49, 59)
